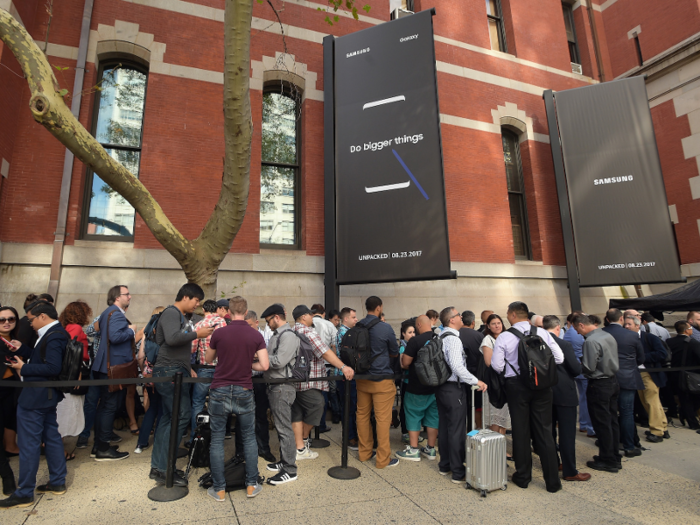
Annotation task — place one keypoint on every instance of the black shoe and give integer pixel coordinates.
(554, 489)
(53, 489)
(178, 480)
(268, 456)
(115, 438)
(633, 453)
(521, 485)
(282, 477)
(153, 474)
(324, 429)
(651, 438)
(16, 501)
(111, 454)
(667, 435)
(8, 485)
(618, 461)
(227, 435)
(82, 443)
(336, 420)
(93, 452)
(605, 467)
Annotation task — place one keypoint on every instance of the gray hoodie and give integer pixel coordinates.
(282, 349)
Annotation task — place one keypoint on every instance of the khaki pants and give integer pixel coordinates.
(652, 404)
(380, 395)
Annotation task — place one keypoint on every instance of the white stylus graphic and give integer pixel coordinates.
(388, 187)
(400, 98)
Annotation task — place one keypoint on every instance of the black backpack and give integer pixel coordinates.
(234, 474)
(535, 356)
(430, 363)
(355, 348)
(72, 361)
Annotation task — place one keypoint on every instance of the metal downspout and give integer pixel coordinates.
(60, 233)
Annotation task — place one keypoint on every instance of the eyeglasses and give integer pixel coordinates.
(125, 294)
(4, 320)
(30, 319)
(455, 315)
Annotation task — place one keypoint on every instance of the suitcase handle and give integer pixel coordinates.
(485, 405)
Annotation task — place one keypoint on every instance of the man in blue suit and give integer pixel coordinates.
(36, 410)
(118, 339)
(631, 355)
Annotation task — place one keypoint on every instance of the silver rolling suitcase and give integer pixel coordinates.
(486, 454)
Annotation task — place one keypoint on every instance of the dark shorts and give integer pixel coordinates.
(308, 407)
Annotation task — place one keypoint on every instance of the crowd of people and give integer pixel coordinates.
(609, 378)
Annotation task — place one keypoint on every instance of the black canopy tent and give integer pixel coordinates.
(682, 299)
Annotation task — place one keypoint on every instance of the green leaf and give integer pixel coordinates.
(64, 68)
(58, 68)
(367, 7)
(354, 13)
(62, 93)
(328, 21)
(336, 18)
(348, 3)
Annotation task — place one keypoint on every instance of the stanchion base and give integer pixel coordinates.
(182, 452)
(319, 443)
(344, 472)
(161, 493)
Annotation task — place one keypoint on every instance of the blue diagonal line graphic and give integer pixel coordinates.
(410, 174)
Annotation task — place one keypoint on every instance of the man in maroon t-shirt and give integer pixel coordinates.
(238, 348)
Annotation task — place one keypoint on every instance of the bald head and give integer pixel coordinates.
(423, 324)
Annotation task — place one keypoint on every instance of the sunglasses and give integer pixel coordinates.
(4, 320)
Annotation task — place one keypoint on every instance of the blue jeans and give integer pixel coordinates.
(626, 407)
(199, 396)
(584, 420)
(352, 421)
(161, 441)
(224, 401)
(90, 408)
(155, 410)
(35, 427)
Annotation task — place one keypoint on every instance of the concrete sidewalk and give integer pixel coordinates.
(659, 487)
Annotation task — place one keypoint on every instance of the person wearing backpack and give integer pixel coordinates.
(451, 396)
(310, 403)
(36, 408)
(529, 393)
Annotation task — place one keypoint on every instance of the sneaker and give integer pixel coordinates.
(393, 462)
(353, 444)
(274, 467)
(217, 495)
(53, 489)
(282, 477)
(82, 443)
(458, 480)
(405, 438)
(111, 454)
(227, 435)
(16, 501)
(374, 453)
(93, 452)
(140, 448)
(429, 452)
(115, 438)
(253, 490)
(306, 454)
(307, 442)
(409, 454)
(443, 472)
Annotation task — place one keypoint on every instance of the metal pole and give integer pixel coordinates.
(332, 290)
(563, 197)
(343, 471)
(169, 492)
(317, 442)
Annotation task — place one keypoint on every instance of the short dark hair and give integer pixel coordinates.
(42, 307)
(46, 297)
(209, 306)
(432, 314)
(318, 309)
(191, 290)
(550, 322)
(572, 314)
(372, 303)
(690, 314)
(345, 312)
(114, 292)
(520, 309)
(646, 316)
(595, 319)
(581, 319)
(446, 315)
(30, 299)
(408, 323)
(468, 317)
(613, 315)
(681, 326)
(333, 313)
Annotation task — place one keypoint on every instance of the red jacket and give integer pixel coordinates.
(77, 330)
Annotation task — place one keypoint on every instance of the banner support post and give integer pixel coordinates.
(562, 195)
(332, 290)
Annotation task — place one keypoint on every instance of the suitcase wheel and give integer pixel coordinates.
(468, 486)
(483, 493)
(504, 487)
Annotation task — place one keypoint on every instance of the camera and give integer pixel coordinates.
(202, 419)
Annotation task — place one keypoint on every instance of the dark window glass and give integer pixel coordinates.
(497, 33)
(118, 127)
(516, 195)
(571, 33)
(280, 170)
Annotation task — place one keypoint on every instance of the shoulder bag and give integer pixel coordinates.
(125, 370)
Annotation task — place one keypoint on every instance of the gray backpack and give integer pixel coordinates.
(430, 364)
(300, 365)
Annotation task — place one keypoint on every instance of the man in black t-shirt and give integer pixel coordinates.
(471, 341)
(420, 405)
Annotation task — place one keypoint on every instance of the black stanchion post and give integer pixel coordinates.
(343, 471)
(168, 492)
(317, 442)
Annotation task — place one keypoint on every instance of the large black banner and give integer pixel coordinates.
(391, 222)
(621, 224)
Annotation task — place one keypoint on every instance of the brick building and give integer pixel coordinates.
(159, 113)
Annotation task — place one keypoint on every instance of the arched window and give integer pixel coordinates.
(279, 176)
(118, 126)
(516, 195)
